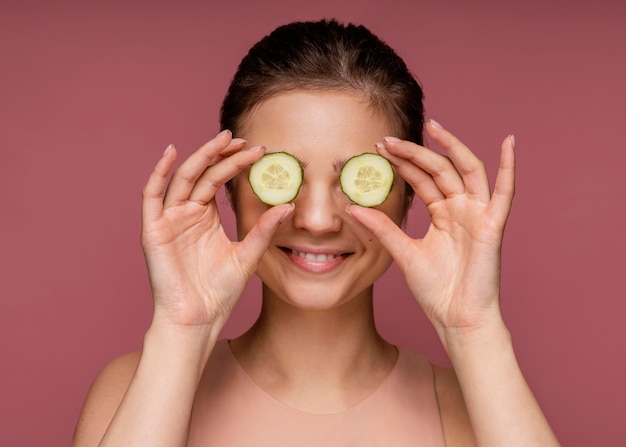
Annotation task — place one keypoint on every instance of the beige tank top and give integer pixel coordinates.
(402, 411)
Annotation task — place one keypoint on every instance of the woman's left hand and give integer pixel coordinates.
(454, 270)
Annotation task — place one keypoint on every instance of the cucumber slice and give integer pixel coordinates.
(367, 179)
(276, 178)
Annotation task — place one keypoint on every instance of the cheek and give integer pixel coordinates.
(379, 261)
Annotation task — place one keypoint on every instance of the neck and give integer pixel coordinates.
(299, 355)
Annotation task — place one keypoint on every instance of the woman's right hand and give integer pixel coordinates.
(196, 272)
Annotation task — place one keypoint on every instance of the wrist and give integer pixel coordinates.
(487, 339)
(179, 347)
(483, 332)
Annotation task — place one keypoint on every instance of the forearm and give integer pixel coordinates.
(157, 406)
(501, 406)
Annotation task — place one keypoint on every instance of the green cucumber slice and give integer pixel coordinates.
(367, 179)
(276, 178)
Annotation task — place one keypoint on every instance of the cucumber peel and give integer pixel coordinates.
(367, 179)
(276, 178)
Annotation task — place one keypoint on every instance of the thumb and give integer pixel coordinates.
(254, 244)
(388, 233)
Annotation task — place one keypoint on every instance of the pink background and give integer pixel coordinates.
(93, 92)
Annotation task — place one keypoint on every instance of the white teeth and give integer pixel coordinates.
(314, 257)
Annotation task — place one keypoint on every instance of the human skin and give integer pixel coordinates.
(323, 130)
(316, 329)
(453, 271)
(197, 275)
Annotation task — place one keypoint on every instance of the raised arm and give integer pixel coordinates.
(196, 274)
(454, 273)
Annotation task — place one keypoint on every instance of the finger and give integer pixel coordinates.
(256, 242)
(388, 233)
(440, 168)
(187, 174)
(235, 145)
(422, 183)
(470, 167)
(500, 205)
(154, 190)
(217, 175)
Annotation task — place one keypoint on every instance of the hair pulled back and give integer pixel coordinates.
(326, 55)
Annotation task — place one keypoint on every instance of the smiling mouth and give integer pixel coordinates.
(313, 257)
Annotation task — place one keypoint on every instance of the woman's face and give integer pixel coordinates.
(320, 257)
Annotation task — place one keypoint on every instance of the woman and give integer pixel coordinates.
(313, 370)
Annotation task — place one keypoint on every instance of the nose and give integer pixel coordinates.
(318, 209)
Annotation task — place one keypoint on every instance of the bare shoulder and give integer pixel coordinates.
(103, 399)
(454, 416)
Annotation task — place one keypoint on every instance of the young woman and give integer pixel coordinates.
(313, 370)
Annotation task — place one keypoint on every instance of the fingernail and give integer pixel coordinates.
(512, 138)
(237, 141)
(257, 148)
(435, 124)
(222, 133)
(168, 149)
(379, 146)
(392, 139)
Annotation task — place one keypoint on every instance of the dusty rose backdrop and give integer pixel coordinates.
(92, 92)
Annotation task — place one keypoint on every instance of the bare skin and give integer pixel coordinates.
(111, 384)
(321, 307)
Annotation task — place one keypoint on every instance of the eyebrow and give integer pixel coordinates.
(338, 165)
(303, 163)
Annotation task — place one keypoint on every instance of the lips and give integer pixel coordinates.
(315, 262)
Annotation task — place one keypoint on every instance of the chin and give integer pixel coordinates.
(317, 298)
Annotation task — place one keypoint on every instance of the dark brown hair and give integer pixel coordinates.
(327, 55)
